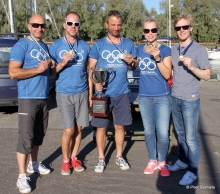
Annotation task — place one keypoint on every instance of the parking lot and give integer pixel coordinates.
(113, 180)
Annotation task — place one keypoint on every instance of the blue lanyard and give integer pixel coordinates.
(72, 46)
(122, 51)
(185, 50)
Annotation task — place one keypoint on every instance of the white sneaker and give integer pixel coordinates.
(188, 179)
(122, 163)
(178, 165)
(100, 166)
(23, 185)
(37, 167)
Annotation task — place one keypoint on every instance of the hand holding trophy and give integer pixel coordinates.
(99, 107)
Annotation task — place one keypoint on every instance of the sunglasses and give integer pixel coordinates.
(153, 30)
(76, 24)
(36, 25)
(178, 28)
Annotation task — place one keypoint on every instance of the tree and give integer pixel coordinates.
(205, 14)
(205, 27)
(4, 23)
(163, 19)
(94, 18)
(134, 20)
(22, 13)
(58, 9)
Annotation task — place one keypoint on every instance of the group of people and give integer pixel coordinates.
(69, 57)
(187, 62)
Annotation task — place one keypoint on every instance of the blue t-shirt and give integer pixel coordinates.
(72, 79)
(152, 83)
(30, 55)
(108, 56)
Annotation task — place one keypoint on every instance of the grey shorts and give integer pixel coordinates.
(73, 109)
(121, 110)
(32, 124)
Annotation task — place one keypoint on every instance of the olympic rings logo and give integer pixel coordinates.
(112, 57)
(146, 63)
(78, 56)
(37, 54)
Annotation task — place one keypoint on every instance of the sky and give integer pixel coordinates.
(152, 3)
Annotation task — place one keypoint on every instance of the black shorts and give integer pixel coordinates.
(32, 124)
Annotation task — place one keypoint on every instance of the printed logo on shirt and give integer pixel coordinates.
(78, 57)
(146, 64)
(38, 54)
(112, 57)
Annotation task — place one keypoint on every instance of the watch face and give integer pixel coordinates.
(158, 61)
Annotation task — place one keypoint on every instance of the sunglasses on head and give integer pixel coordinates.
(36, 25)
(76, 24)
(178, 28)
(153, 30)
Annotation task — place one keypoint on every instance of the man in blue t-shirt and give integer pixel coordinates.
(117, 53)
(70, 54)
(29, 65)
(190, 64)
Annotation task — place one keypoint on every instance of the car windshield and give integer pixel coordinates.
(4, 56)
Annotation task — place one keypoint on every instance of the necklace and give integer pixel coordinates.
(121, 51)
(149, 46)
(72, 50)
(183, 52)
(49, 59)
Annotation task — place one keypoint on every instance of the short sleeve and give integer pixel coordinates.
(17, 53)
(94, 53)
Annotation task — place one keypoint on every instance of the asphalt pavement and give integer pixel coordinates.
(114, 180)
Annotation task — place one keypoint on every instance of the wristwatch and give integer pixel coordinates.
(131, 64)
(159, 61)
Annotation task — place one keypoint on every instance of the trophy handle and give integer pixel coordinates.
(91, 77)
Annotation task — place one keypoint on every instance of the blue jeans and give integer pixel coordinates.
(155, 113)
(185, 117)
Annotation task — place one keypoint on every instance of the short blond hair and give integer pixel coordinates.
(183, 16)
(151, 20)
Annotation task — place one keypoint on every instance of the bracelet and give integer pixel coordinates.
(159, 61)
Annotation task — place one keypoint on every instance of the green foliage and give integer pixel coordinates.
(134, 18)
(205, 27)
(205, 14)
(4, 23)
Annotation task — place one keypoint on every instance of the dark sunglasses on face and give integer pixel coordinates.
(178, 28)
(153, 30)
(76, 24)
(36, 25)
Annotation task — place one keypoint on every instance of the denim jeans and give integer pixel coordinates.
(155, 113)
(185, 118)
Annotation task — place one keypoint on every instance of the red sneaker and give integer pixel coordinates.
(66, 166)
(77, 165)
(151, 166)
(163, 169)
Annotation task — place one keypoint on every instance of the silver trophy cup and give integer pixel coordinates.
(100, 75)
(100, 108)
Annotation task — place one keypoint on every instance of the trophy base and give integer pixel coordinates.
(100, 114)
(99, 107)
